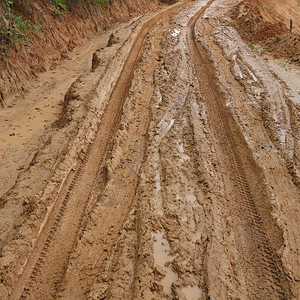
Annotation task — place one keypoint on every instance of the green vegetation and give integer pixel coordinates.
(63, 4)
(15, 28)
(283, 65)
(100, 2)
(255, 47)
(280, 37)
(12, 27)
(60, 5)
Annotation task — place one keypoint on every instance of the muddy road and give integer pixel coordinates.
(170, 172)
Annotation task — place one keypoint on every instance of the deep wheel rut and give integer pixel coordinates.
(258, 237)
(180, 192)
(46, 266)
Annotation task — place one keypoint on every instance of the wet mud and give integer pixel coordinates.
(181, 180)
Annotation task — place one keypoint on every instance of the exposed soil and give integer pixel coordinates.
(59, 33)
(266, 26)
(170, 169)
(285, 47)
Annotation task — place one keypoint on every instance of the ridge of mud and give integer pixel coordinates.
(125, 266)
(179, 186)
(264, 109)
(68, 209)
(83, 107)
(261, 231)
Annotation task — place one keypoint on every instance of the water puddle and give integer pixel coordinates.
(158, 98)
(168, 120)
(181, 150)
(183, 156)
(236, 67)
(131, 267)
(162, 257)
(192, 293)
(253, 76)
(163, 68)
(161, 130)
(175, 32)
(191, 198)
(164, 126)
(283, 136)
(282, 132)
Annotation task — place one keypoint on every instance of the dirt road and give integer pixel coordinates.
(171, 172)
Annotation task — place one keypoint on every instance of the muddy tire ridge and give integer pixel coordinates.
(174, 182)
(45, 268)
(258, 254)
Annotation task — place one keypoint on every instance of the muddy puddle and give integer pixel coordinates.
(192, 292)
(163, 261)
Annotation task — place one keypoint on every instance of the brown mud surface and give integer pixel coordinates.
(169, 171)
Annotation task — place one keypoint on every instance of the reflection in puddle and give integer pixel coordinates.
(282, 132)
(191, 198)
(236, 67)
(192, 293)
(175, 32)
(132, 274)
(282, 136)
(183, 156)
(163, 128)
(158, 98)
(161, 254)
(253, 76)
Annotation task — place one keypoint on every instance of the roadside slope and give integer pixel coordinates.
(43, 35)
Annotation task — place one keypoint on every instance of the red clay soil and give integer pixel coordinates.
(286, 46)
(263, 23)
(59, 33)
(252, 25)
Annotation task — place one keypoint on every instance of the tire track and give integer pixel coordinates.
(97, 262)
(261, 236)
(45, 268)
(43, 254)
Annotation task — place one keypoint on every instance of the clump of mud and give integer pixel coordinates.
(284, 46)
(252, 25)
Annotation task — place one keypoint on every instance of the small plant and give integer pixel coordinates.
(60, 5)
(98, 3)
(37, 28)
(255, 47)
(20, 23)
(265, 5)
(283, 65)
(13, 28)
(280, 37)
(3, 55)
